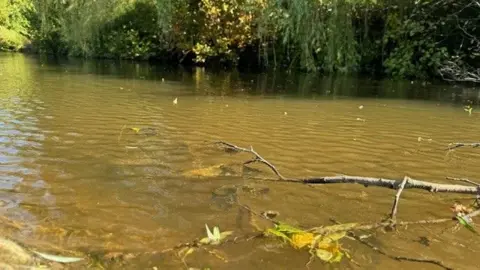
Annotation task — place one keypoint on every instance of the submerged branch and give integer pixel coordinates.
(366, 181)
(458, 145)
(393, 257)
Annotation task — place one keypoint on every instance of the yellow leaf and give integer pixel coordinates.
(135, 129)
(205, 241)
(300, 240)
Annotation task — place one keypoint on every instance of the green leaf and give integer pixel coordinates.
(338, 257)
(466, 224)
(278, 234)
(282, 227)
(56, 258)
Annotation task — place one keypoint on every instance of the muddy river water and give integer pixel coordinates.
(96, 158)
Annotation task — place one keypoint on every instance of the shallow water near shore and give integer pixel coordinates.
(94, 159)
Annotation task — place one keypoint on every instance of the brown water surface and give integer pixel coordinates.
(74, 176)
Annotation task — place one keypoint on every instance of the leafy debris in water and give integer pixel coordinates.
(214, 238)
(324, 246)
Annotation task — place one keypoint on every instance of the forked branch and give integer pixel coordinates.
(366, 181)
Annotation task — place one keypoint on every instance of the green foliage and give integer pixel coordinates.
(14, 23)
(401, 38)
(131, 35)
(11, 40)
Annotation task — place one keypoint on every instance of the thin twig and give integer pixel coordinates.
(366, 181)
(257, 158)
(393, 257)
(463, 180)
(383, 224)
(393, 215)
(457, 145)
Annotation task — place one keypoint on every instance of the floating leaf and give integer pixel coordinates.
(216, 232)
(283, 227)
(300, 240)
(56, 258)
(337, 258)
(135, 129)
(462, 220)
(214, 238)
(175, 101)
(324, 255)
(278, 234)
(209, 233)
(336, 236)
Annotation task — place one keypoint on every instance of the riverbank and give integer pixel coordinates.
(410, 39)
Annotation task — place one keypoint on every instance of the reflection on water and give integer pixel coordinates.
(76, 174)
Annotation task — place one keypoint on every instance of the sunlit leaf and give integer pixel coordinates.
(209, 233)
(205, 241)
(216, 232)
(336, 236)
(466, 224)
(225, 234)
(282, 227)
(135, 129)
(57, 258)
(300, 240)
(278, 234)
(324, 255)
(216, 237)
(337, 258)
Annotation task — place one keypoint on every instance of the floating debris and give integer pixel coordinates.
(175, 101)
(56, 258)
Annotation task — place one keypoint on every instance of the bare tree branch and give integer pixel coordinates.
(257, 158)
(452, 71)
(393, 215)
(366, 181)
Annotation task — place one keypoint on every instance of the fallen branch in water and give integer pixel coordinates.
(366, 181)
(461, 217)
(457, 145)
